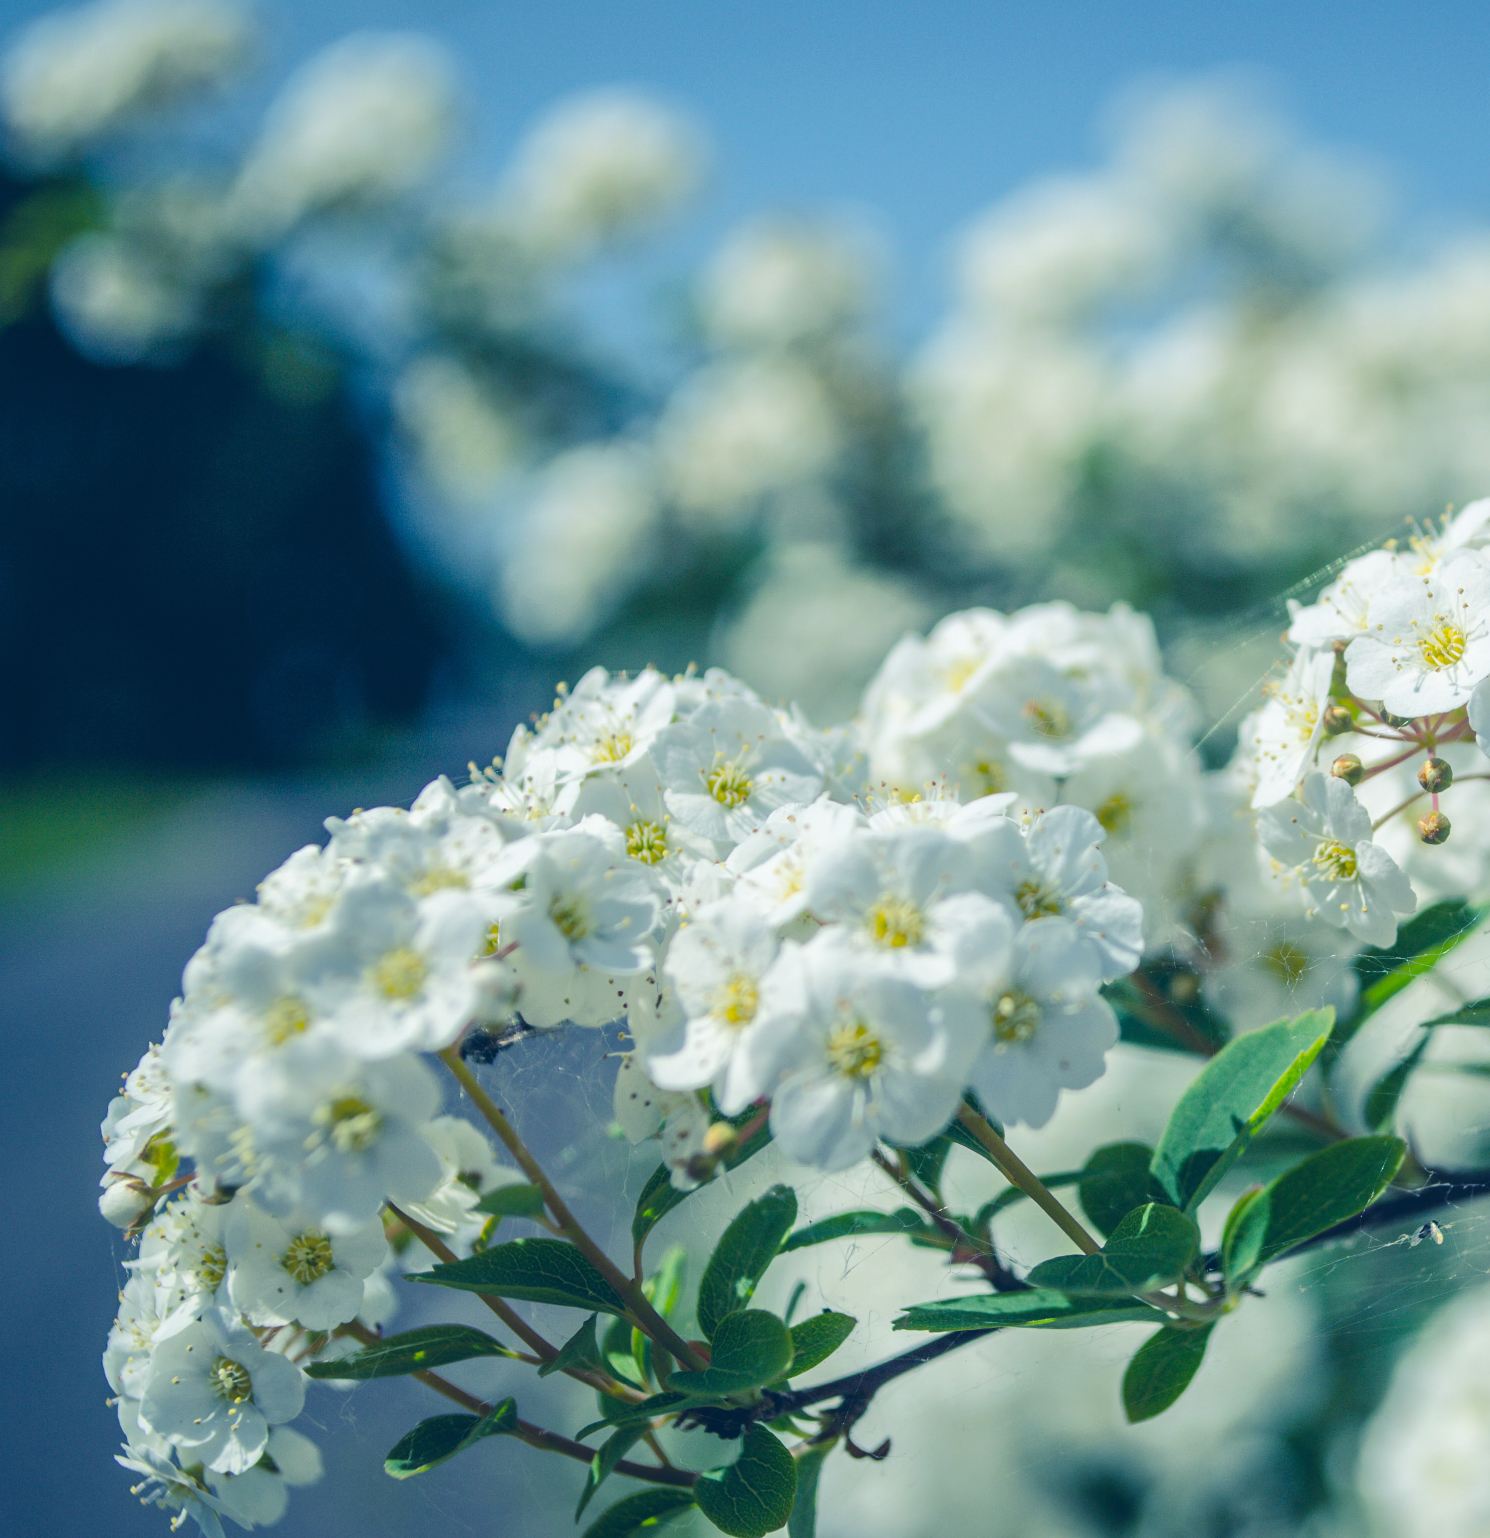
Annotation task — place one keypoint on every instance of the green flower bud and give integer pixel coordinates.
(1434, 828)
(1337, 719)
(1435, 774)
(1348, 768)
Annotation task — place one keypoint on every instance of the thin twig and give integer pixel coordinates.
(647, 1319)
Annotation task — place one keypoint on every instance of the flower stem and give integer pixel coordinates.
(647, 1319)
(1019, 1174)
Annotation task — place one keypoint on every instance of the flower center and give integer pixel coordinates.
(493, 940)
(569, 916)
(1048, 718)
(1016, 1017)
(612, 747)
(854, 1050)
(1037, 900)
(957, 673)
(308, 1257)
(439, 879)
(729, 784)
(351, 1123)
(894, 922)
(1116, 813)
(1443, 647)
(285, 1018)
(211, 1268)
(1335, 861)
(400, 974)
(1287, 962)
(646, 841)
(230, 1380)
(735, 1001)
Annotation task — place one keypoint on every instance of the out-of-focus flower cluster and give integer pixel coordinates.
(1183, 373)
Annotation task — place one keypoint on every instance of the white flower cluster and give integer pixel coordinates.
(1396, 648)
(668, 851)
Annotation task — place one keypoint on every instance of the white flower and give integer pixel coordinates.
(339, 1137)
(1055, 870)
(738, 431)
(258, 1497)
(1427, 641)
(1289, 727)
(717, 964)
(588, 536)
(632, 798)
(1339, 613)
(293, 1271)
(584, 914)
(469, 1169)
(728, 768)
(183, 1250)
(147, 1311)
(772, 863)
(884, 889)
(135, 1131)
(1323, 840)
(850, 1052)
(73, 75)
(679, 1117)
(362, 121)
(404, 974)
(214, 1391)
(782, 281)
(172, 1488)
(1045, 1027)
(598, 167)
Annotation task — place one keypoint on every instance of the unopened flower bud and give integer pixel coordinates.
(1336, 719)
(1436, 774)
(1348, 768)
(1434, 828)
(124, 1202)
(1388, 719)
(720, 1139)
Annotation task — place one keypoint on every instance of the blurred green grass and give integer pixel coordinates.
(54, 823)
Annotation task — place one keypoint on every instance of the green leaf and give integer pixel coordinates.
(1161, 1370)
(749, 1348)
(1475, 1013)
(1327, 1188)
(535, 1270)
(754, 1495)
(1381, 1103)
(659, 1195)
(1241, 1239)
(602, 1465)
(848, 1225)
(1231, 1100)
(747, 1247)
(664, 1287)
(639, 1514)
(579, 1350)
(803, 1521)
(1116, 1179)
(1151, 1247)
(1033, 1308)
(1384, 971)
(443, 1436)
(817, 1338)
(435, 1345)
(514, 1201)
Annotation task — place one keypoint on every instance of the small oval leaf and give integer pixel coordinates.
(644, 1512)
(535, 1270)
(1161, 1371)
(512, 1201)
(441, 1437)
(1034, 1308)
(750, 1348)
(754, 1495)
(1150, 1247)
(435, 1345)
(817, 1338)
(750, 1243)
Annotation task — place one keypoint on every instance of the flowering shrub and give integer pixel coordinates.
(871, 943)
